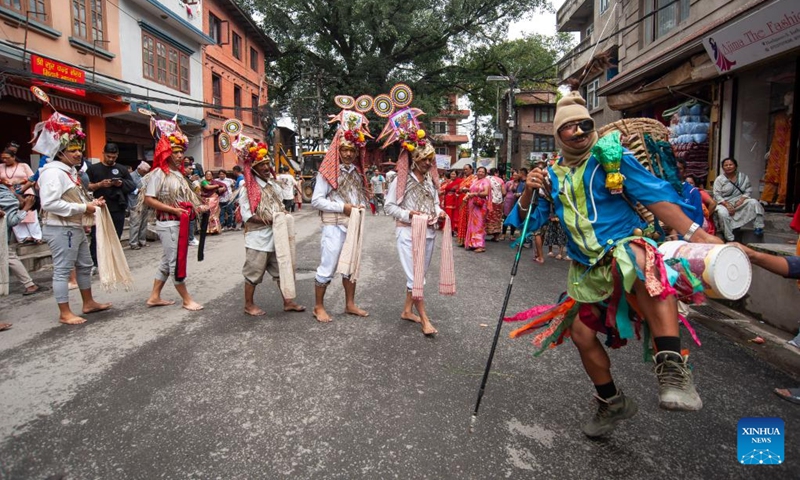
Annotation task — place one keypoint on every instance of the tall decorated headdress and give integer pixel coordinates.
(403, 127)
(249, 153)
(57, 133)
(353, 131)
(170, 139)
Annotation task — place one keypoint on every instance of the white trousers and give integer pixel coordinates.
(28, 230)
(404, 249)
(330, 247)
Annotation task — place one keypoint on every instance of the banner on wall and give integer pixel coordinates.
(760, 35)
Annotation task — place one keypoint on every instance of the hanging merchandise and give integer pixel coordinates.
(689, 125)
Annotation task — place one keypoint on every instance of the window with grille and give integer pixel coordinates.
(441, 151)
(236, 45)
(589, 92)
(35, 9)
(253, 59)
(544, 143)
(254, 103)
(237, 102)
(216, 91)
(165, 64)
(544, 114)
(662, 16)
(214, 28)
(88, 19)
(439, 128)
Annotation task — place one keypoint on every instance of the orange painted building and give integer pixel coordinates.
(234, 76)
(80, 46)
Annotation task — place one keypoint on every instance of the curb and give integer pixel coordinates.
(740, 328)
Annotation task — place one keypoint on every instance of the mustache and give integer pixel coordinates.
(579, 137)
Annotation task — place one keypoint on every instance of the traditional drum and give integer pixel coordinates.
(724, 269)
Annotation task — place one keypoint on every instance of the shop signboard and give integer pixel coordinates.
(53, 69)
(760, 35)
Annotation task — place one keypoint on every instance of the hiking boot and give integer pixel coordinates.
(609, 413)
(675, 384)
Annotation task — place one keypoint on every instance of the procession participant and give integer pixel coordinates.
(166, 191)
(67, 210)
(341, 195)
(268, 229)
(618, 282)
(111, 182)
(138, 224)
(409, 197)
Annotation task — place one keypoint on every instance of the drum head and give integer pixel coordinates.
(731, 272)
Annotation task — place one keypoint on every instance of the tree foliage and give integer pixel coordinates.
(359, 47)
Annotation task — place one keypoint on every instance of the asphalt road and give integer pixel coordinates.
(166, 393)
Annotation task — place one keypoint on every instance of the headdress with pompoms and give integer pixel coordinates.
(353, 132)
(403, 127)
(170, 139)
(57, 133)
(249, 152)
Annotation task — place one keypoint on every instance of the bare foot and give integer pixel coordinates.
(192, 306)
(321, 315)
(293, 307)
(254, 311)
(411, 317)
(94, 307)
(4, 326)
(72, 320)
(354, 310)
(427, 328)
(159, 302)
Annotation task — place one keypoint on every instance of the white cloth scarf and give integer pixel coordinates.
(284, 236)
(111, 262)
(350, 258)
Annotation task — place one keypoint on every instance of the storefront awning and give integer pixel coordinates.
(63, 104)
(696, 70)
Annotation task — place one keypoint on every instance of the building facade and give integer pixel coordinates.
(531, 123)
(161, 43)
(722, 74)
(77, 49)
(235, 81)
(444, 131)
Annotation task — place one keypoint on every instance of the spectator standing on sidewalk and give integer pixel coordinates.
(111, 182)
(137, 222)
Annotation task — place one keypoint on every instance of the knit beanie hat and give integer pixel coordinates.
(571, 108)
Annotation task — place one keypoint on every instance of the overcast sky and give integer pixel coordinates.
(544, 23)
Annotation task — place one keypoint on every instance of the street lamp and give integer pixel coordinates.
(512, 85)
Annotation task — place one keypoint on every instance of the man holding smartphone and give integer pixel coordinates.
(113, 183)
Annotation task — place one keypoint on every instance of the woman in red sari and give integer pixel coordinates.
(462, 212)
(448, 194)
(479, 203)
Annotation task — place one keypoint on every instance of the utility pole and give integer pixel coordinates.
(512, 86)
(475, 137)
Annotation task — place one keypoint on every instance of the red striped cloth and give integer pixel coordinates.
(447, 272)
(419, 231)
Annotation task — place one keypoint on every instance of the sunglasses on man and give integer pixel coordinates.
(585, 126)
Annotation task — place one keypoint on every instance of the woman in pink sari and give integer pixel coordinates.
(478, 204)
(210, 190)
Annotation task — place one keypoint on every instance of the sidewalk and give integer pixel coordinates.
(741, 329)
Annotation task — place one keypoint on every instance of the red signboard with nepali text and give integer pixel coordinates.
(53, 69)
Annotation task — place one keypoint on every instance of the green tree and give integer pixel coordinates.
(365, 46)
(531, 61)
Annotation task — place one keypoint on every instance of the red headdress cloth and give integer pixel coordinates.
(170, 139)
(402, 126)
(353, 131)
(249, 152)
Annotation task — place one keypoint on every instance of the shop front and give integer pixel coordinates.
(758, 59)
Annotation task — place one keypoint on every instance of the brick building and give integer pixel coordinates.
(234, 75)
(444, 131)
(532, 133)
